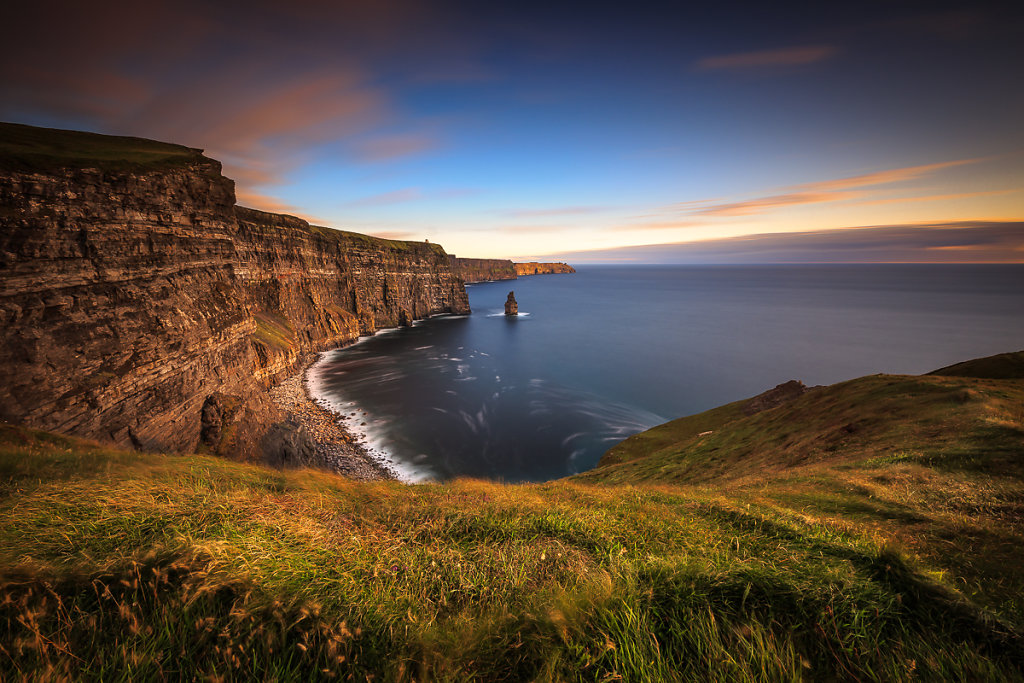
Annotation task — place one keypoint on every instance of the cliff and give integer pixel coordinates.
(483, 269)
(486, 270)
(534, 268)
(140, 305)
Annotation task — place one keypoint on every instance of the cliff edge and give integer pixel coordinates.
(140, 305)
(535, 268)
(473, 270)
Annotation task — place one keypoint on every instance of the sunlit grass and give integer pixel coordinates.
(117, 564)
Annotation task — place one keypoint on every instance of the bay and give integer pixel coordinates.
(611, 350)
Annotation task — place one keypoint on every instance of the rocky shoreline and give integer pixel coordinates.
(335, 448)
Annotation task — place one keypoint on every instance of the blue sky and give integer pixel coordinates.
(524, 130)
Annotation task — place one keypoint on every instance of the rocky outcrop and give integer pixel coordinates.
(783, 393)
(534, 268)
(483, 269)
(511, 305)
(139, 305)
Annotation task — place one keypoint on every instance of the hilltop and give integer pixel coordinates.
(867, 530)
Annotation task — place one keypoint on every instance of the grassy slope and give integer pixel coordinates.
(889, 552)
(28, 148)
(1002, 366)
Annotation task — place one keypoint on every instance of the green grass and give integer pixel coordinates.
(28, 148)
(947, 422)
(346, 240)
(891, 552)
(274, 331)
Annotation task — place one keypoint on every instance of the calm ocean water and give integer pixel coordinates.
(610, 351)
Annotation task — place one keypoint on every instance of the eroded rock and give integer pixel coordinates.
(511, 305)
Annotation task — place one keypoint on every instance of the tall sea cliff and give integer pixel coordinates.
(140, 305)
(486, 270)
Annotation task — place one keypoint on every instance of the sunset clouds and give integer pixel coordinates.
(762, 59)
(840, 189)
(982, 242)
(522, 129)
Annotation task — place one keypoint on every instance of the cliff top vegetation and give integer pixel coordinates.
(775, 550)
(286, 222)
(29, 148)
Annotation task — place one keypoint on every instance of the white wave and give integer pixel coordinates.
(369, 432)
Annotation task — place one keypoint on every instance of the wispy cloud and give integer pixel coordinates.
(394, 234)
(660, 225)
(553, 211)
(198, 74)
(893, 175)
(834, 190)
(265, 202)
(531, 228)
(956, 242)
(394, 147)
(762, 204)
(407, 194)
(768, 59)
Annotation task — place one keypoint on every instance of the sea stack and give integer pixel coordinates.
(511, 307)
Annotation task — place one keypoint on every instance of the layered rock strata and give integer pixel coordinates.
(483, 269)
(535, 268)
(487, 270)
(140, 305)
(511, 305)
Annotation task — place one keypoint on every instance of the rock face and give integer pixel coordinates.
(534, 268)
(511, 305)
(486, 270)
(140, 305)
(483, 269)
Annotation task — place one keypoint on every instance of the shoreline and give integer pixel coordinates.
(336, 448)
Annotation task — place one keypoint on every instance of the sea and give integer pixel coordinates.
(596, 356)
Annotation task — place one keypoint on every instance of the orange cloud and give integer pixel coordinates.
(198, 74)
(394, 235)
(894, 175)
(839, 189)
(393, 147)
(762, 204)
(782, 57)
(264, 202)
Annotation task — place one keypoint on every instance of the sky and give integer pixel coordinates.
(595, 132)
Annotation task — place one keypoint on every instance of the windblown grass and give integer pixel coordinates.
(123, 565)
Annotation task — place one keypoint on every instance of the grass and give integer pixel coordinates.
(947, 422)
(1002, 366)
(343, 238)
(900, 563)
(274, 331)
(28, 148)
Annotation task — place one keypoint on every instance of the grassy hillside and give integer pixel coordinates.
(1002, 366)
(781, 546)
(29, 148)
